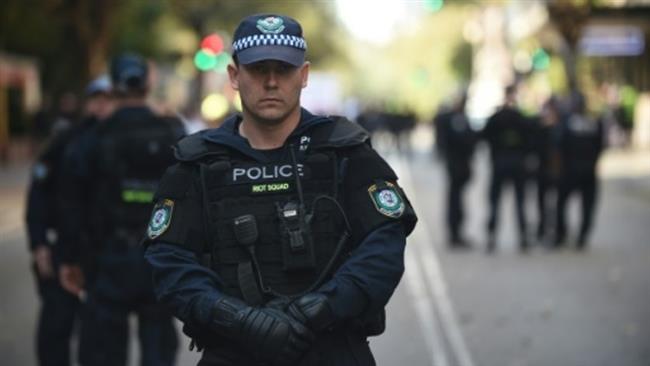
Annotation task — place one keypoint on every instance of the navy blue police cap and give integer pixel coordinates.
(129, 72)
(99, 85)
(269, 37)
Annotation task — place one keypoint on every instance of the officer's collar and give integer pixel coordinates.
(138, 110)
(228, 134)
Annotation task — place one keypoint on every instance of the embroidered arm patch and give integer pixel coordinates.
(387, 200)
(160, 218)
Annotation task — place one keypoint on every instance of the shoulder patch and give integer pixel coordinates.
(160, 218)
(40, 171)
(386, 199)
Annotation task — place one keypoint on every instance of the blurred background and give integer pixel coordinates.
(392, 65)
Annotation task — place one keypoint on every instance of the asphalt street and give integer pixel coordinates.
(454, 308)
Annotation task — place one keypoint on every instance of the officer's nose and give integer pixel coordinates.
(271, 80)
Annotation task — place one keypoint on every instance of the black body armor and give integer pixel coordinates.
(291, 229)
(132, 154)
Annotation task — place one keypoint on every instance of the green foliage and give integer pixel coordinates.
(134, 27)
(418, 69)
(73, 41)
(461, 61)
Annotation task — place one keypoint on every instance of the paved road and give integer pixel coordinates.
(545, 307)
(454, 308)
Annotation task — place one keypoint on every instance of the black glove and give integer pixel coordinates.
(314, 310)
(269, 334)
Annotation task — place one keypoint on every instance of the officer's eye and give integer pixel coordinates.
(280, 68)
(259, 68)
(284, 68)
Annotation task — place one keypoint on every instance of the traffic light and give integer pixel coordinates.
(204, 61)
(434, 5)
(211, 55)
(541, 59)
(212, 43)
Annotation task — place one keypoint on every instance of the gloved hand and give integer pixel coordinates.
(314, 310)
(269, 334)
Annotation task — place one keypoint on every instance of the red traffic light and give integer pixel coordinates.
(212, 43)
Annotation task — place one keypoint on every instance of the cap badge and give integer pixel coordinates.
(270, 25)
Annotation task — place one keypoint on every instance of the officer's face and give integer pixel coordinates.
(269, 90)
(100, 106)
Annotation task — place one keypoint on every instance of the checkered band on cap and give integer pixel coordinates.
(269, 40)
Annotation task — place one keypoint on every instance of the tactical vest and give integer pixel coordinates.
(258, 247)
(132, 156)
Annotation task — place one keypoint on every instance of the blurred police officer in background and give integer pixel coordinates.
(548, 165)
(112, 174)
(455, 142)
(278, 238)
(44, 210)
(581, 142)
(507, 133)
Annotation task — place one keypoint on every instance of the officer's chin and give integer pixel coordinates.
(271, 116)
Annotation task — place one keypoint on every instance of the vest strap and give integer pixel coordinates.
(247, 284)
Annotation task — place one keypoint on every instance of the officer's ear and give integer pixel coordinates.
(304, 73)
(233, 75)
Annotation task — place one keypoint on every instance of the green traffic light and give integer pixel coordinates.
(222, 61)
(434, 5)
(204, 61)
(541, 59)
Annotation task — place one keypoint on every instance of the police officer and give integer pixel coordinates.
(455, 141)
(113, 172)
(508, 134)
(580, 145)
(278, 238)
(548, 165)
(58, 307)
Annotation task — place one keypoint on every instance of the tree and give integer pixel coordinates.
(569, 17)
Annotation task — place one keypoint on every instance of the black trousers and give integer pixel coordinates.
(105, 334)
(332, 349)
(122, 286)
(56, 321)
(458, 174)
(504, 173)
(583, 181)
(546, 204)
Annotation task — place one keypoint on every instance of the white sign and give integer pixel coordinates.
(612, 40)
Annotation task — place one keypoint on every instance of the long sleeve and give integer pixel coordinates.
(36, 213)
(42, 195)
(368, 278)
(180, 282)
(76, 172)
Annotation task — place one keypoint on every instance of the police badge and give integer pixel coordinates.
(387, 200)
(160, 219)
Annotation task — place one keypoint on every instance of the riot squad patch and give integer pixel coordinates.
(387, 200)
(160, 219)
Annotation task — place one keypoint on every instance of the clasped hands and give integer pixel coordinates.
(278, 333)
